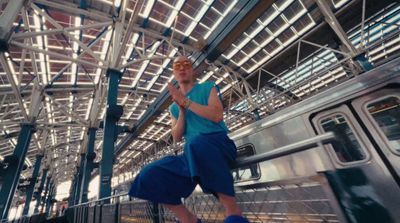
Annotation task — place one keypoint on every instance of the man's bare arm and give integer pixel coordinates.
(213, 111)
(178, 126)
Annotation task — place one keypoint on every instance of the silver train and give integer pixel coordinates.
(362, 167)
(355, 179)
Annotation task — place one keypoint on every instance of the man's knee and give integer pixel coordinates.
(147, 173)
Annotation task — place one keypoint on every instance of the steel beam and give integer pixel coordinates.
(113, 114)
(13, 171)
(88, 167)
(60, 107)
(74, 9)
(59, 55)
(7, 18)
(70, 36)
(58, 31)
(10, 77)
(49, 199)
(81, 172)
(72, 190)
(332, 21)
(46, 191)
(38, 194)
(128, 30)
(76, 88)
(31, 187)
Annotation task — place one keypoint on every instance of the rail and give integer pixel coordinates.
(287, 150)
(113, 209)
(300, 146)
(315, 207)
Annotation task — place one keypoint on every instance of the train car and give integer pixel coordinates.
(349, 178)
(364, 113)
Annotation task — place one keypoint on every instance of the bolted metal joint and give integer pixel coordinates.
(91, 156)
(96, 165)
(363, 61)
(91, 129)
(111, 71)
(10, 160)
(32, 126)
(3, 45)
(115, 111)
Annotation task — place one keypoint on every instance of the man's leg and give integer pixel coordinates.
(182, 213)
(229, 202)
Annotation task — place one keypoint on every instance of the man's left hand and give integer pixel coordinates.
(176, 94)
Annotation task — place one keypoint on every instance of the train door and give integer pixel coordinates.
(357, 159)
(380, 113)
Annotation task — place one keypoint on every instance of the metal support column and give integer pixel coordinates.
(31, 187)
(113, 114)
(38, 195)
(13, 171)
(88, 168)
(49, 200)
(72, 190)
(79, 179)
(256, 114)
(46, 190)
(363, 61)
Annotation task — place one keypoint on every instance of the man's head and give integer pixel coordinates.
(183, 70)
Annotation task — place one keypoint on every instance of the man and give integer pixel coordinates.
(197, 116)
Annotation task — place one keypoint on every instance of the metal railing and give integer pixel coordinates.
(295, 200)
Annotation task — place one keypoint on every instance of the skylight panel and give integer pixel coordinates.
(275, 23)
(197, 18)
(216, 23)
(174, 13)
(161, 69)
(282, 4)
(339, 3)
(134, 40)
(147, 8)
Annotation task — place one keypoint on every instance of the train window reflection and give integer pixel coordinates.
(347, 148)
(386, 113)
(247, 172)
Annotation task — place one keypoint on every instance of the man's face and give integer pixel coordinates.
(183, 71)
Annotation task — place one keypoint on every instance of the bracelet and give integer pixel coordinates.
(183, 102)
(187, 103)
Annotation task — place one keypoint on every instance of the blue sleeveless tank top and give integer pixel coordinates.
(194, 124)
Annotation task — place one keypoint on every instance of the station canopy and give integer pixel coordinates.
(264, 55)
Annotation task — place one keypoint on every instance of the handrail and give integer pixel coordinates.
(287, 150)
(99, 200)
(276, 153)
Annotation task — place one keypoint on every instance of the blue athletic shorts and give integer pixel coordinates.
(206, 161)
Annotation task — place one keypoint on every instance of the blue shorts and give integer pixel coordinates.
(206, 161)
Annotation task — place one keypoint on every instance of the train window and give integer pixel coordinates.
(250, 172)
(386, 113)
(347, 148)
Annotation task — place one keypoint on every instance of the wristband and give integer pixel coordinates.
(187, 103)
(183, 102)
